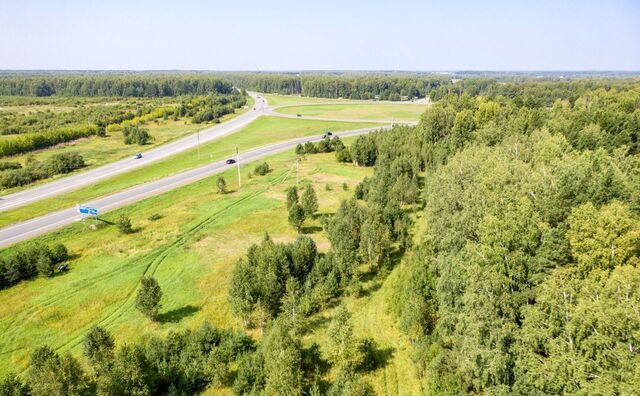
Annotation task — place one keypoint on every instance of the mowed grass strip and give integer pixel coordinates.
(265, 130)
(278, 100)
(360, 111)
(191, 250)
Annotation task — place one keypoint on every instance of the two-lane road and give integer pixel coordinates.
(43, 224)
(81, 179)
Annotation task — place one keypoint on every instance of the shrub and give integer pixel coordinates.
(262, 169)
(34, 141)
(134, 134)
(9, 165)
(310, 148)
(154, 217)
(36, 170)
(124, 224)
(221, 185)
(148, 298)
(29, 261)
(343, 155)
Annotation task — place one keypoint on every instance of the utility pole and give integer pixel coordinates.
(238, 162)
(198, 144)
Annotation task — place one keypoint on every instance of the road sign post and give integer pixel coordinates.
(87, 210)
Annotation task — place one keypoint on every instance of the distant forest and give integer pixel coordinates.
(147, 85)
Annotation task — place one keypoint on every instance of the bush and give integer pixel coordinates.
(221, 185)
(9, 165)
(114, 128)
(262, 169)
(154, 217)
(343, 155)
(148, 298)
(134, 134)
(34, 141)
(124, 224)
(30, 261)
(36, 170)
(310, 148)
(324, 146)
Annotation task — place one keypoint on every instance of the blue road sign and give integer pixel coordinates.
(87, 210)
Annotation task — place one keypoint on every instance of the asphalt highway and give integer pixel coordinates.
(82, 179)
(40, 225)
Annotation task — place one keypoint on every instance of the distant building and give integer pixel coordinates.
(376, 97)
(404, 98)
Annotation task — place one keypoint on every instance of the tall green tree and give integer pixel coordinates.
(148, 297)
(296, 216)
(292, 196)
(309, 201)
(99, 349)
(52, 374)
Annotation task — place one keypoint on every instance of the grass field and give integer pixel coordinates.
(98, 151)
(191, 250)
(360, 111)
(277, 100)
(263, 131)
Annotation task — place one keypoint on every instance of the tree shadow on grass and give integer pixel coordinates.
(380, 358)
(310, 229)
(176, 315)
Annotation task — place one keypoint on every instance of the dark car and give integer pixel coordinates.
(231, 161)
(138, 156)
(299, 115)
(329, 134)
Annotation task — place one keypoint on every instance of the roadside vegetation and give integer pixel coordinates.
(491, 249)
(263, 131)
(80, 124)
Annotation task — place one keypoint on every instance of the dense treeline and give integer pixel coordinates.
(36, 170)
(211, 107)
(527, 278)
(112, 85)
(345, 86)
(533, 93)
(278, 286)
(30, 261)
(182, 363)
(34, 141)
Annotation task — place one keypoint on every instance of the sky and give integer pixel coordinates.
(272, 35)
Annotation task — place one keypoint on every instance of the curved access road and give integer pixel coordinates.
(43, 224)
(82, 179)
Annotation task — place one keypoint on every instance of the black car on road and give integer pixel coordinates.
(231, 161)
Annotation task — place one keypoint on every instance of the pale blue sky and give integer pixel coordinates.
(320, 35)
